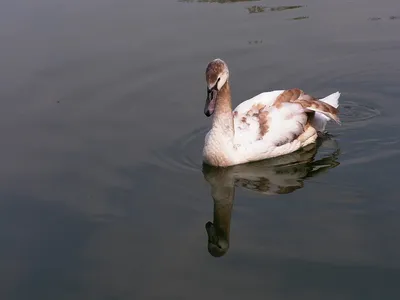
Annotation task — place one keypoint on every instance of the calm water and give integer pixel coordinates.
(103, 193)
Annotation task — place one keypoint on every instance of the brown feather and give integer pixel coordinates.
(263, 121)
(256, 111)
(308, 102)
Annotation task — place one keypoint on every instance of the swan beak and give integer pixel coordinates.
(210, 101)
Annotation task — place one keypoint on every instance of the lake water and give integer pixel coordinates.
(103, 192)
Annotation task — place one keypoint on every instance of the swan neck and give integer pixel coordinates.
(223, 118)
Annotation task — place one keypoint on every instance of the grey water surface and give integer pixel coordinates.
(103, 191)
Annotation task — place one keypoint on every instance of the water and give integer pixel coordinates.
(103, 191)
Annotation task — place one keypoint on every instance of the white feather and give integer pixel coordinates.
(266, 98)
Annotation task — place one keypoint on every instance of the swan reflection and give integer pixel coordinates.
(281, 175)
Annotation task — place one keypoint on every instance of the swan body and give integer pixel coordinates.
(268, 125)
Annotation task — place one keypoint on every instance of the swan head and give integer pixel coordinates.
(217, 75)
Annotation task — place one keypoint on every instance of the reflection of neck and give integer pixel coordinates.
(222, 218)
(223, 119)
(223, 194)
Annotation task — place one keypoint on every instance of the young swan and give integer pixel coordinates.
(268, 125)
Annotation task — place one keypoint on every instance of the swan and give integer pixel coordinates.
(268, 125)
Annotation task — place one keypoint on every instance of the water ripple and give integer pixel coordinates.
(354, 112)
(185, 155)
